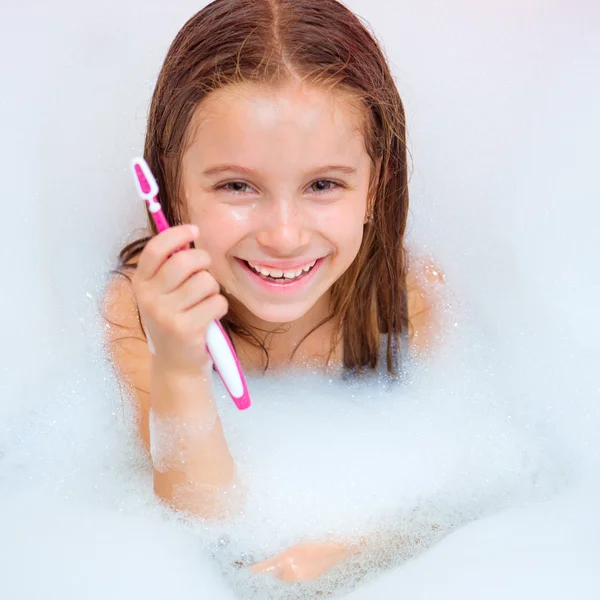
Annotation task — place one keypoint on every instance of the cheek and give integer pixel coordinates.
(217, 234)
(353, 239)
(217, 224)
(344, 229)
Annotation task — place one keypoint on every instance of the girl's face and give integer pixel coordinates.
(277, 181)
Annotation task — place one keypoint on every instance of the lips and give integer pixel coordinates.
(272, 273)
(283, 264)
(280, 284)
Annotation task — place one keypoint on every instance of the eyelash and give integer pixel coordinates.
(334, 185)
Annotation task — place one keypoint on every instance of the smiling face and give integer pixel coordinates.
(277, 182)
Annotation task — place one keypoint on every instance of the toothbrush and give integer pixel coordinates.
(218, 343)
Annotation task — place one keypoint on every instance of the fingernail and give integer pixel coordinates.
(193, 229)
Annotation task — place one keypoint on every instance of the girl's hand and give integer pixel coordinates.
(304, 561)
(177, 298)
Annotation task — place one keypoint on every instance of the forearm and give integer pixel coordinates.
(193, 468)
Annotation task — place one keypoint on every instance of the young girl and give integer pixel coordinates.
(277, 137)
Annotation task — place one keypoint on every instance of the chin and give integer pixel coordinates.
(279, 313)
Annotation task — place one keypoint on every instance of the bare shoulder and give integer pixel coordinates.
(125, 340)
(127, 347)
(119, 307)
(423, 281)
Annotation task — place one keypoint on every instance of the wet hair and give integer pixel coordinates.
(274, 42)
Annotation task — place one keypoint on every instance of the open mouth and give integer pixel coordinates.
(278, 276)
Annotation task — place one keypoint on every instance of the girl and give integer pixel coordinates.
(277, 137)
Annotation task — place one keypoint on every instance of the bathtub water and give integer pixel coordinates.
(493, 439)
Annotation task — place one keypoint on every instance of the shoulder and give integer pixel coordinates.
(125, 341)
(118, 304)
(424, 279)
(127, 346)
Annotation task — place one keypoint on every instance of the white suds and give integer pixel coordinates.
(173, 438)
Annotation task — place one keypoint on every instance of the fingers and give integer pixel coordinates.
(179, 268)
(282, 567)
(303, 562)
(266, 566)
(190, 326)
(206, 311)
(194, 290)
(177, 297)
(161, 246)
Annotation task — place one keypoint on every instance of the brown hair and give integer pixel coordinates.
(325, 44)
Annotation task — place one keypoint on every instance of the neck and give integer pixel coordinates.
(288, 344)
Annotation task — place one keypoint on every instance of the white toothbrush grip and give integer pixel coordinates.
(223, 357)
(226, 362)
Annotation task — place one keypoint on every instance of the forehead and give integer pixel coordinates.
(296, 124)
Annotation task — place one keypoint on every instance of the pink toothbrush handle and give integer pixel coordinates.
(218, 343)
(158, 215)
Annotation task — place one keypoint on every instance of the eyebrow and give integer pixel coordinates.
(219, 169)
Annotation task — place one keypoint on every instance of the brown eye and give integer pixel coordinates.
(323, 185)
(237, 187)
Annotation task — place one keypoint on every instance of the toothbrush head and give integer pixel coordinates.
(144, 180)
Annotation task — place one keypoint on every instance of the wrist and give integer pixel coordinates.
(173, 371)
(173, 390)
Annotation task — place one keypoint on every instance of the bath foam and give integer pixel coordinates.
(512, 221)
(167, 433)
(325, 460)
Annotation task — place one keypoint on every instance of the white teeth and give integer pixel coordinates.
(292, 274)
(278, 273)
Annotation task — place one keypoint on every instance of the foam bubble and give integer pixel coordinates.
(487, 454)
(172, 438)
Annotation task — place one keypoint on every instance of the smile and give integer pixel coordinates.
(278, 280)
(280, 274)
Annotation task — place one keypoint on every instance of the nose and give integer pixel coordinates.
(283, 228)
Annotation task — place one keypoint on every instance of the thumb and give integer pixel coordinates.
(266, 566)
